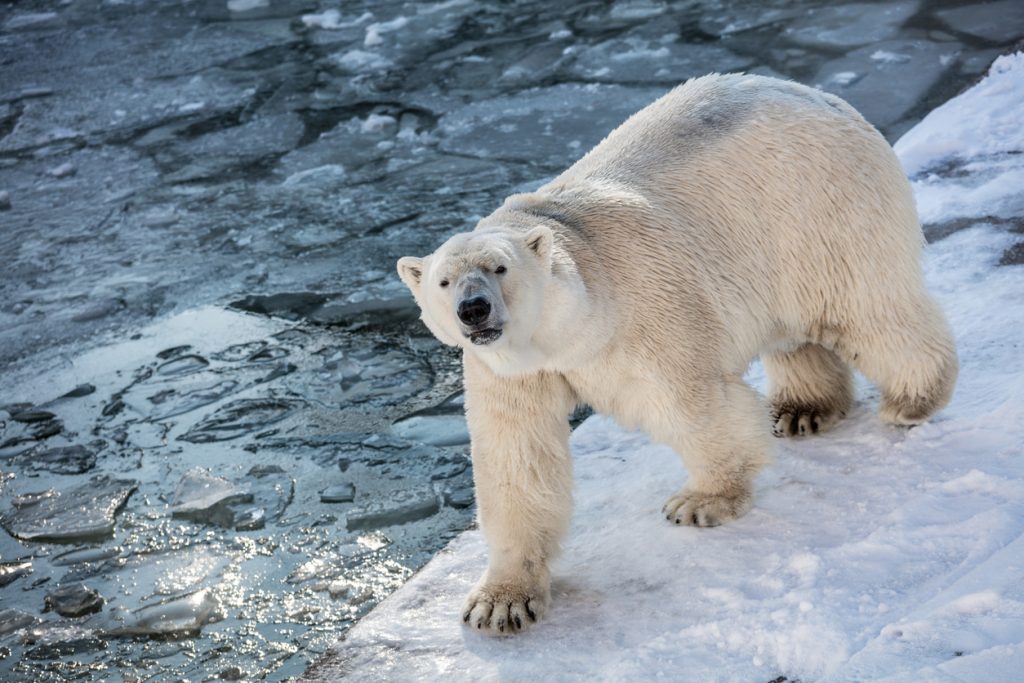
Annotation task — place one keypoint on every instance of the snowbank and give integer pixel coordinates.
(872, 553)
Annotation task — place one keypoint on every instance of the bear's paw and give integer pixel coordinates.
(790, 419)
(697, 508)
(505, 608)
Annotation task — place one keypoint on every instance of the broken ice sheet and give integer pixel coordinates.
(12, 620)
(82, 512)
(73, 600)
(204, 497)
(401, 508)
(179, 616)
(435, 430)
(9, 571)
(239, 418)
(62, 459)
(263, 494)
(54, 640)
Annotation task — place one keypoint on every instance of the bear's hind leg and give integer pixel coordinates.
(810, 389)
(909, 353)
(723, 444)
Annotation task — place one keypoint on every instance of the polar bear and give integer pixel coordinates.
(737, 216)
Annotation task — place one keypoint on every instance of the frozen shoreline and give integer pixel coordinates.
(872, 553)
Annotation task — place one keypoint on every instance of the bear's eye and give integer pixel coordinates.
(444, 283)
(499, 270)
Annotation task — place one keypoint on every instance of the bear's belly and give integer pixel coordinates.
(632, 400)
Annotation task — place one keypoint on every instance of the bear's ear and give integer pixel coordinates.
(539, 240)
(410, 269)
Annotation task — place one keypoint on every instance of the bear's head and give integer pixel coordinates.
(484, 290)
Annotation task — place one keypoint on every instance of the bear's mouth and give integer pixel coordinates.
(483, 337)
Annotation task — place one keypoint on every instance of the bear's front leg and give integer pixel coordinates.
(522, 471)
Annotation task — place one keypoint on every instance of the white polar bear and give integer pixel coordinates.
(737, 216)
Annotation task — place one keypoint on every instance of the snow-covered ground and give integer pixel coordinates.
(872, 553)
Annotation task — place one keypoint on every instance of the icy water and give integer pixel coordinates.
(223, 434)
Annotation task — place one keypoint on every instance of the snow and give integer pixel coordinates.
(872, 553)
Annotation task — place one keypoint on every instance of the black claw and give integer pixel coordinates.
(529, 612)
(677, 520)
(803, 430)
(814, 425)
(465, 617)
(695, 522)
(519, 622)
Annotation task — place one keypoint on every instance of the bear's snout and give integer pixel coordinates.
(474, 311)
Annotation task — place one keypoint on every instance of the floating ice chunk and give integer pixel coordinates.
(81, 512)
(850, 25)
(891, 57)
(339, 493)
(460, 498)
(180, 616)
(329, 173)
(12, 620)
(327, 19)
(331, 20)
(64, 170)
(637, 9)
(83, 555)
(190, 107)
(404, 507)
(871, 91)
(63, 460)
(272, 492)
(159, 218)
(248, 5)
(374, 31)
(53, 640)
(250, 519)
(29, 19)
(203, 497)
(998, 22)
(843, 78)
(9, 571)
(73, 600)
(360, 61)
(378, 123)
(239, 418)
(435, 430)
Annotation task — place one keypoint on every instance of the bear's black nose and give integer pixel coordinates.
(474, 311)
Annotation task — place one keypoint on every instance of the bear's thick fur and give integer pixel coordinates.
(737, 216)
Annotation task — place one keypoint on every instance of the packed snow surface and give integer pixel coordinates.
(872, 552)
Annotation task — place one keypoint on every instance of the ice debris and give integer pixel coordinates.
(73, 600)
(9, 571)
(404, 507)
(178, 616)
(339, 493)
(85, 511)
(203, 497)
